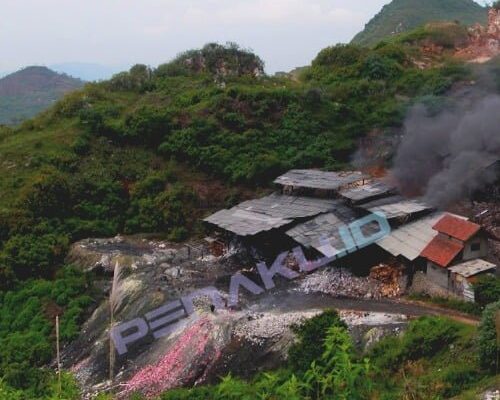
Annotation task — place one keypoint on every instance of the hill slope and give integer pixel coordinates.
(27, 92)
(403, 15)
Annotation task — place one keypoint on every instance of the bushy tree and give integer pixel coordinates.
(311, 336)
(489, 338)
(341, 55)
(47, 196)
(487, 290)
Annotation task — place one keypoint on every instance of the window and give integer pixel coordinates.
(475, 246)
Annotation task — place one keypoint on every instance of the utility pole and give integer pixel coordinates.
(58, 357)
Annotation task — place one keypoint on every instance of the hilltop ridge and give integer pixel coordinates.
(404, 15)
(25, 93)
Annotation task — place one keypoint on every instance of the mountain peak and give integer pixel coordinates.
(404, 15)
(30, 90)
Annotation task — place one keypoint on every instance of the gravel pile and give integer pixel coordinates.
(260, 328)
(341, 283)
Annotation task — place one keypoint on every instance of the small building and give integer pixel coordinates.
(408, 241)
(463, 275)
(457, 242)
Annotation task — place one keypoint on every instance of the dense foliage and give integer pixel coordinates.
(489, 338)
(487, 290)
(209, 109)
(27, 325)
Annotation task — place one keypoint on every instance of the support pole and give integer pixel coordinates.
(58, 356)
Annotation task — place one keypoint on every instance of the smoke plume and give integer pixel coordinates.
(444, 156)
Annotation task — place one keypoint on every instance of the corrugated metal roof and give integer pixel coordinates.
(456, 227)
(472, 267)
(315, 179)
(322, 233)
(409, 240)
(367, 192)
(270, 212)
(442, 251)
(396, 206)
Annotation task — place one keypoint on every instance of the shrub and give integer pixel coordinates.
(425, 337)
(489, 338)
(26, 333)
(459, 377)
(35, 255)
(428, 335)
(47, 196)
(487, 290)
(341, 55)
(310, 339)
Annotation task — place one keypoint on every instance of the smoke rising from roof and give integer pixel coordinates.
(445, 156)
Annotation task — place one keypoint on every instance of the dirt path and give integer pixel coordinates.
(295, 301)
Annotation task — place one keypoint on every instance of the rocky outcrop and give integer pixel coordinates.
(484, 43)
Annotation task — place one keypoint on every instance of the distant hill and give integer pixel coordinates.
(29, 91)
(403, 15)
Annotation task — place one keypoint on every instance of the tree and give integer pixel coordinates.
(487, 290)
(489, 338)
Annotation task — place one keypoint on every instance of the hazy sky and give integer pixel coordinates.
(285, 33)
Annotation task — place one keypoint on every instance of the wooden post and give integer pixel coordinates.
(497, 326)
(58, 356)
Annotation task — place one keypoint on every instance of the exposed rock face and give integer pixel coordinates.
(484, 41)
(139, 276)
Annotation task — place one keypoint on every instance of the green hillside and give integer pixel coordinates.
(404, 15)
(153, 151)
(31, 90)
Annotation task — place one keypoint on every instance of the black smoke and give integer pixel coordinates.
(445, 156)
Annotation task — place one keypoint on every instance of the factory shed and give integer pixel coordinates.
(314, 181)
(367, 192)
(397, 208)
(322, 232)
(262, 215)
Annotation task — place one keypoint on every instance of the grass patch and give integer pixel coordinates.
(465, 307)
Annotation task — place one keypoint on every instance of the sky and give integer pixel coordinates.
(120, 33)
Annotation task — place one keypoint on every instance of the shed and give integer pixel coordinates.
(311, 179)
(261, 215)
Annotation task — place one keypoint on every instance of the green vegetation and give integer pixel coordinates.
(404, 15)
(27, 318)
(466, 307)
(489, 338)
(112, 157)
(25, 93)
(487, 290)
(144, 152)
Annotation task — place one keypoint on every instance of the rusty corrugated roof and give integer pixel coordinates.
(442, 251)
(458, 228)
